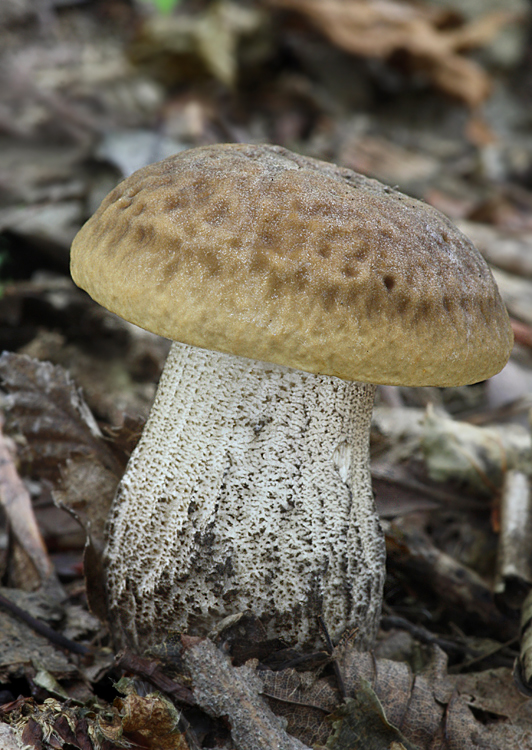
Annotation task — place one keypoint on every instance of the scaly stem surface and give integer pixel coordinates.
(249, 490)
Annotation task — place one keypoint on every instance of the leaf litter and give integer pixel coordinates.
(307, 75)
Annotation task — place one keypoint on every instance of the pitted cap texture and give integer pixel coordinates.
(260, 252)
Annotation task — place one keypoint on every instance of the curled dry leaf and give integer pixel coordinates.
(154, 718)
(53, 725)
(48, 410)
(304, 701)
(61, 441)
(379, 29)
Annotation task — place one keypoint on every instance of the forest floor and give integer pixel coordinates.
(434, 98)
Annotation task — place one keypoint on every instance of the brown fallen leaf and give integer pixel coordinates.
(48, 410)
(494, 691)
(152, 720)
(151, 671)
(32, 735)
(361, 724)
(234, 693)
(304, 701)
(431, 709)
(60, 440)
(86, 488)
(53, 725)
(380, 29)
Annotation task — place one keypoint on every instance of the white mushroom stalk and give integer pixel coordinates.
(249, 490)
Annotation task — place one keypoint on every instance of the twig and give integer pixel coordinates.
(150, 670)
(39, 627)
(330, 648)
(424, 636)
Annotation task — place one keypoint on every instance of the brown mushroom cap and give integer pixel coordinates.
(262, 253)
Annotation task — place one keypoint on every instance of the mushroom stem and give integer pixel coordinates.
(249, 490)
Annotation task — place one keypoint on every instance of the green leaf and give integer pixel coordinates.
(165, 6)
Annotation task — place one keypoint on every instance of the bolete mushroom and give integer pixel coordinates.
(293, 286)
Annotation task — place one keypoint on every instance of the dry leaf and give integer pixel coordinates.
(414, 703)
(458, 588)
(303, 701)
(61, 440)
(54, 725)
(495, 691)
(47, 409)
(61, 435)
(87, 488)
(234, 692)
(21, 647)
(190, 45)
(361, 724)
(381, 28)
(430, 708)
(154, 718)
(477, 457)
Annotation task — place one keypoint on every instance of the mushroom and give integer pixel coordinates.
(290, 287)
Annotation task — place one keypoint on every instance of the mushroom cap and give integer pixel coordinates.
(263, 253)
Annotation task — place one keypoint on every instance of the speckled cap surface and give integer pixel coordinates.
(263, 253)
